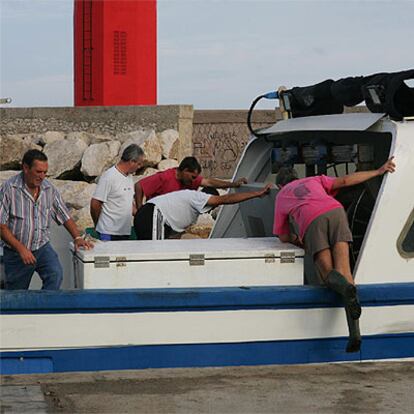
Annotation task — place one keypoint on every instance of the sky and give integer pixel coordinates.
(214, 54)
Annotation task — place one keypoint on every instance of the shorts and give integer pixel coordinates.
(326, 230)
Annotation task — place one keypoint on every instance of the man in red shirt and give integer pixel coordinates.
(185, 177)
(323, 230)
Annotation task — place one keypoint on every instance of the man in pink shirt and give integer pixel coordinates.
(185, 177)
(323, 230)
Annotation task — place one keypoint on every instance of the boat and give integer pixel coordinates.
(204, 303)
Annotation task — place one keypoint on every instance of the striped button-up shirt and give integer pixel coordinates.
(29, 219)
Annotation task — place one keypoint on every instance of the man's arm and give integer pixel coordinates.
(291, 238)
(216, 183)
(139, 195)
(73, 230)
(362, 176)
(8, 237)
(237, 197)
(95, 209)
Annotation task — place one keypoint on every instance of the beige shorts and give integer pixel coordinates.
(326, 230)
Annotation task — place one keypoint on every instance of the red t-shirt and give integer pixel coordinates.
(165, 182)
(304, 200)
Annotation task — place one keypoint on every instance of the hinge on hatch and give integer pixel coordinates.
(197, 259)
(120, 261)
(101, 261)
(287, 257)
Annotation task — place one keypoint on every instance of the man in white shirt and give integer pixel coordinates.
(112, 202)
(160, 217)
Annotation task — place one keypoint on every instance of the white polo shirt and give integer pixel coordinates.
(181, 208)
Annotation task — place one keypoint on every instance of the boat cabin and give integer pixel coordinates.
(380, 211)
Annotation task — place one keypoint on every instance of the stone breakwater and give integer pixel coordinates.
(77, 159)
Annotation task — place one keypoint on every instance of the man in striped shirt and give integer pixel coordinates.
(28, 202)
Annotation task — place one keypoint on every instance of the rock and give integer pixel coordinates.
(82, 218)
(84, 136)
(98, 157)
(201, 232)
(146, 173)
(166, 164)
(50, 137)
(12, 149)
(138, 136)
(97, 139)
(75, 194)
(187, 236)
(151, 147)
(37, 139)
(169, 143)
(174, 150)
(205, 220)
(202, 228)
(5, 175)
(64, 156)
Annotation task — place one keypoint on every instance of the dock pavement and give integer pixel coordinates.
(369, 387)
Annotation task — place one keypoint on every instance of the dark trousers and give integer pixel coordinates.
(18, 275)
(144, 222)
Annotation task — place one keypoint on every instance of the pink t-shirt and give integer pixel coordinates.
(304, 200)
(165, 182)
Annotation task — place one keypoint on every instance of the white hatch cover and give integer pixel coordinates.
(342, 122)
(145, 250)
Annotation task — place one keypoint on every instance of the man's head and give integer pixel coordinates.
(35, 166)
(285, 176)
(133, 158)
(188, 170)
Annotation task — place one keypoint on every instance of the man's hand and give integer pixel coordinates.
(265, 190)
(27, 256)
(81, 243)
(239, 182)
(297, 241)
(389, 166)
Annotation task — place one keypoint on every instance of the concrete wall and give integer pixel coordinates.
(101, 120)
(220, 136)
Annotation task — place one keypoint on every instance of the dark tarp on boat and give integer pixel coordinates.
(383, 93)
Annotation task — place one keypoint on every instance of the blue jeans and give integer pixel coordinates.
(109, 237)
(18, 275)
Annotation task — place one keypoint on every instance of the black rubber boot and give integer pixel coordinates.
(339, 284)
(354, 341)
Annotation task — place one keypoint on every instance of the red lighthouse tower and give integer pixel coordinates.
(115, 52)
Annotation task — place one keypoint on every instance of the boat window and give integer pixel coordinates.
(405, 242)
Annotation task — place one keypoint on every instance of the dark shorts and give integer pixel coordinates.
(326, 230)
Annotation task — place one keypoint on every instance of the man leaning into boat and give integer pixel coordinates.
(27, 203)
(323, 230)
(185, 177)
(170, 214)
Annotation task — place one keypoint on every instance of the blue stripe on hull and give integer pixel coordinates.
(200, 299)
(206, 355)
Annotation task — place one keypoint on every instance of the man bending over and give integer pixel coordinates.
(323, 230)
(172, 213)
